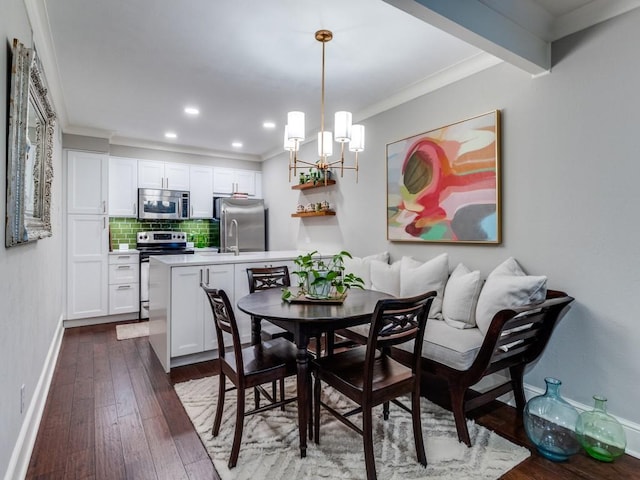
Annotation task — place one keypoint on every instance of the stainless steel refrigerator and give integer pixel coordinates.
(242, 223)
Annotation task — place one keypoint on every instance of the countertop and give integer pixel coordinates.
(208, 258)
(131, 251)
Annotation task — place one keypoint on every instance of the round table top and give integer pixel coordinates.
(268, 304)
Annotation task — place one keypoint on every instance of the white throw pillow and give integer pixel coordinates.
(361, 267)
(508, 286)
(461, 297)
(418, 277)
(385, 277)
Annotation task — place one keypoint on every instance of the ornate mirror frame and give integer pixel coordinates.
(29, 150)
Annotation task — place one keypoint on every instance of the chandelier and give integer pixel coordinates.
(344, 133)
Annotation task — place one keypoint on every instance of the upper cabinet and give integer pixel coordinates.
(171, 176)
(230, 180)
(87, 188)
(123, 187)
(201, 183)
(258, 184)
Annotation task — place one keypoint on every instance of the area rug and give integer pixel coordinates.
(270, 444)
(132, 330)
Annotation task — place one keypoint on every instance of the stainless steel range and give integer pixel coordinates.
(156, 243)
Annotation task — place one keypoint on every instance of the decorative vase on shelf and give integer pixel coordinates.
(599, 433)
(550, 423)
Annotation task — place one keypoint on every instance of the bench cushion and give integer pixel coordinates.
(444, 344)
(385, 278)
(361, 266)
(506, 287)
(461, 296)
(417, 277)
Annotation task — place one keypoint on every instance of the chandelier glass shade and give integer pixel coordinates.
(349, 136)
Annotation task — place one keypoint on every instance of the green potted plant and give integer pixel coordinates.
(322, 279)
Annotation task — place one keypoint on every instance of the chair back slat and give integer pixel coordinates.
(268, 277)
(396, 321)
(224, 321)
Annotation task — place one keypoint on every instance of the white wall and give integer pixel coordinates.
(31, 293)
(570, 172)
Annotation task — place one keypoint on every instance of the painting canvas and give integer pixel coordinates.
(444, 185)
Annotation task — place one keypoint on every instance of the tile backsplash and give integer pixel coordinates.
(203, 233)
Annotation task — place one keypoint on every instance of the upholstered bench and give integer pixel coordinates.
(479, 328)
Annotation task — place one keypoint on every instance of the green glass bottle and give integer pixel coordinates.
(599, 433)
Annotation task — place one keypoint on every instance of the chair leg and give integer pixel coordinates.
(310, 407)
(457, 406)
(256, 397)
(417, 427)
(316, 410)
(330, 340)
(367, 436)
(220, 406)
(281, 392)
(237, 435)
(385, 410)
(517, 378)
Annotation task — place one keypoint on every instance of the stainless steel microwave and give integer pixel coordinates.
(163, 204)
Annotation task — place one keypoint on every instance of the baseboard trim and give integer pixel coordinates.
(83, 322)
(19, 462)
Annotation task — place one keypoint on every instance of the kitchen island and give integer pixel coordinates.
(181, 329)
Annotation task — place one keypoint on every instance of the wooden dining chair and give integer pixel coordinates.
(272, 277)
(247, 367)
(263, 279)
(368, 376)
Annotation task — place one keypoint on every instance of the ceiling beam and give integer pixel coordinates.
(481, 26)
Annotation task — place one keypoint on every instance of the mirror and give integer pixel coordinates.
(29, 150)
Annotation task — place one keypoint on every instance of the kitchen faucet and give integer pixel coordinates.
(235, 250)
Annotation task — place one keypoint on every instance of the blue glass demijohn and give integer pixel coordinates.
(550, 423)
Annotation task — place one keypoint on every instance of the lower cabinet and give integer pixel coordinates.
(192, 329)
(124, 284)
(87, 268)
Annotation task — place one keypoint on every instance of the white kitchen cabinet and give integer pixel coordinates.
(124, 283)
(258, 184)
(87, 235)
(192, 329)
(87, 183)
(123, 187)
(167, 175)
(201, 183)
(245, 181)
(230, 180)
(87, 267)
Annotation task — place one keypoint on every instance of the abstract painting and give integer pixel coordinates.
(444, 185)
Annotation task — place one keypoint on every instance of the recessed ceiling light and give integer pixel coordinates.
(236, 144)
(171, 135)
(269, 125)
(191, 111)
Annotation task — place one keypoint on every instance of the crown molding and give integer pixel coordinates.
(168, 147)
(590, 14)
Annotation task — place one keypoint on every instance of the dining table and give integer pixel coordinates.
(305, 319)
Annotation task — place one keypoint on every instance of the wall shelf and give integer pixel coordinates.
(305, 186)
(321, 213)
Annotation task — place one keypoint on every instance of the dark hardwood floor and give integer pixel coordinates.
(112, 413)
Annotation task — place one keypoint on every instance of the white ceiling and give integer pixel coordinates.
(125, 69)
